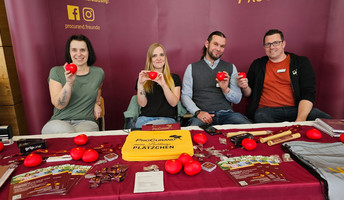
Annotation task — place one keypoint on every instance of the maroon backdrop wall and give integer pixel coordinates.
(122, 30)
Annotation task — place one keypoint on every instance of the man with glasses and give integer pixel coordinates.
(280, 85)
(204, 95)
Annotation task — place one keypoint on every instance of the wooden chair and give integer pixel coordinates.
(101, 119)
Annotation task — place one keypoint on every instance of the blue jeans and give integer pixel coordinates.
(143, 120)
(222, 117)
(286, 113)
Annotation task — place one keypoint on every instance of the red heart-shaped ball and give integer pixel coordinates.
(32, 160)
(71, 68)
(313, 134)
(81, 139)
(90, 155)
(220, 76)
(200, 138)
(243, 74)
(250, 144)
(244, 141)
(185, 158)
(152, 75)
(77, 153)
(192, 168)
(1, 146)
(341, 137)
(173, 166)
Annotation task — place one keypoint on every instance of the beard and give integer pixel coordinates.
(212, 56)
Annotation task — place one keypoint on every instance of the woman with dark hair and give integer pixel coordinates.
(159, 97)
(75, 96)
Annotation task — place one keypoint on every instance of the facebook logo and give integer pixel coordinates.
(73, 12)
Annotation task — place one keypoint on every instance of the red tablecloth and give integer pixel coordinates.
(206, 185)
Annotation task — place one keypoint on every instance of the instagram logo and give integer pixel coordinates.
(88, 14)
(73, 12)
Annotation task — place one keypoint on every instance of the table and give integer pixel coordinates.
(206, 185)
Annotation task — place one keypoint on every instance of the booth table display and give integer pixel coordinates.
(205, 185)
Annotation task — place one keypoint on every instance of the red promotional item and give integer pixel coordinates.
(243, 74)
(81, 139)
(185, 158)
(77, 153)
(192, 168)
(200, 138)
(173, 166)
(249, 144)
(90, 155)
(1, 146)
(313, 134)
(71, 68)
(341, 137)
(244, 141)
(220, 76)
(32, 160)
(152, 75)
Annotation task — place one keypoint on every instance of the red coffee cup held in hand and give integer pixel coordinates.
(72, 68)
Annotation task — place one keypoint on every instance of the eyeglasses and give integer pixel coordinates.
(275, 44)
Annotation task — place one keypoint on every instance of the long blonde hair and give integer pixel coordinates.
(148, 86)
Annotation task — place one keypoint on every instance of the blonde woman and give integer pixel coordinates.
(157, 97)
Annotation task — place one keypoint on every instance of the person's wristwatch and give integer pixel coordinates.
(197, 113)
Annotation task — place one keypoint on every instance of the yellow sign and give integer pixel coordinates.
(156, 145)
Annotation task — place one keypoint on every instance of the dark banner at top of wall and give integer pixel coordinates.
(122, 30)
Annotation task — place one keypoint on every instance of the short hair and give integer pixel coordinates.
(272, 32)
(91, 55)
(210, 37)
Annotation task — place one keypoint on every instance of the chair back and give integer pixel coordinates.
(101, 119)
(133, 111)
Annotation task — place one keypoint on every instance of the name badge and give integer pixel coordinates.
(281, 70)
